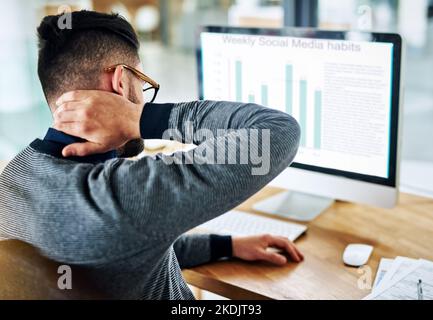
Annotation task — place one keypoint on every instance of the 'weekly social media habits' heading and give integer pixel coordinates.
(295, 43)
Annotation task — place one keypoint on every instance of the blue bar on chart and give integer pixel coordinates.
(289, 89)
(318, 119)
(251, 98)
(264, 95)
(303, 111)
(238, 81)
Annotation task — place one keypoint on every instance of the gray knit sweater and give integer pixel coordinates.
(123, 218)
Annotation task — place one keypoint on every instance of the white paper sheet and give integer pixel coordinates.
(404, 286)
(399, 266)
(384, 266)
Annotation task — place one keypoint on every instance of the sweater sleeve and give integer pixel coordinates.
(196, 249)
(165, 196)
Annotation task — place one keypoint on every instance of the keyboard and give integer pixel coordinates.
(237, 223)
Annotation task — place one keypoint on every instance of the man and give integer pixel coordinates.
(75, 196)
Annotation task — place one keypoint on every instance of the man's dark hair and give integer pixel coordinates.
(73, 59)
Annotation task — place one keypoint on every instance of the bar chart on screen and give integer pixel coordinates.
(279, 85)
(339, 97)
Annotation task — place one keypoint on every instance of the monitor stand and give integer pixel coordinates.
(294, 205)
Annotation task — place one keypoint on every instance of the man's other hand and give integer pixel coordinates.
(255, 248)
(105, 120)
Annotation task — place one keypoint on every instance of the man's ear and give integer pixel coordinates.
(117, 81)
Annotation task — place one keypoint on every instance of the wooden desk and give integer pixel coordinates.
(406, 231)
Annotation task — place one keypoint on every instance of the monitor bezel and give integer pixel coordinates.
(392, 38)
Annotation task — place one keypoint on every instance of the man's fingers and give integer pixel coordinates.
(81, 95)
(72, 128)
(287, 245)
(293, 253)
(292, 245)
(77, 95)
(82, 149)
(274, 258)
(67, 106)
(69, 116)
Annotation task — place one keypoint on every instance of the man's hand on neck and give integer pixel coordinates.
(105, 120)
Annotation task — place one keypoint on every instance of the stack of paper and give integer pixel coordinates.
(403, 279)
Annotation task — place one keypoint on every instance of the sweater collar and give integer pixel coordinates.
(55, 141)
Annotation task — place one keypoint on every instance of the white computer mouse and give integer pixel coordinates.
(357, 255)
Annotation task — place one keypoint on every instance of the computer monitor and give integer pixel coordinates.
(344, 90)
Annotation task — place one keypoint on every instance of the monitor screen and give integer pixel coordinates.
(339, 90)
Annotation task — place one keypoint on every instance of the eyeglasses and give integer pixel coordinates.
(150, 88)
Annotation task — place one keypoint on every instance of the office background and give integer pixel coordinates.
(167, 32)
